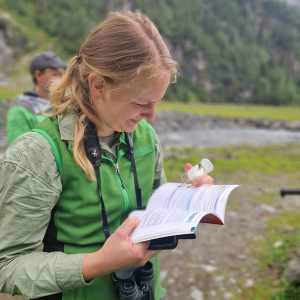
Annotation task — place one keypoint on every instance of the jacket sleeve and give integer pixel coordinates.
(159, 176)
(27, 195)
(19, 120)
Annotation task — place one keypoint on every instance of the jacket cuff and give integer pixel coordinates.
(69, 272)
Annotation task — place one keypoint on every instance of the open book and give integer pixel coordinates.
(177, 209)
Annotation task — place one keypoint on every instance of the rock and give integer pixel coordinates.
(196, 294)
(193, 266)
(13, 43)
(268, 208)
(208, 268)
(277, 244)
(219, 278)
(249, 282)
(233, 214)
(278, 125)
(213, 293)
(293, 269)
(228, 295)
(177, 252)
(294, 125)
(167, 121)
(163, 275)
(242, 256)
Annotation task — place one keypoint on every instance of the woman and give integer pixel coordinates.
(52, 228)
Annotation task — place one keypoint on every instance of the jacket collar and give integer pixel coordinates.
(67, 123)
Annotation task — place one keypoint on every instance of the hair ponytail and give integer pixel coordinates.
(64, 96)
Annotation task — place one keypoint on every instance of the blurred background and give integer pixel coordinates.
(236, 102)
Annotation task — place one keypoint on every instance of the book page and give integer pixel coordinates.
(161, 223)
(221, 201)
(209, 198)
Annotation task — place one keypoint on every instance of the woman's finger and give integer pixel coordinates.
(204, 180)
(187, 167)
(128, 225)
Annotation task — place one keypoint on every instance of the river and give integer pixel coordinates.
(227, 137)
(176, 129)
(218, 138)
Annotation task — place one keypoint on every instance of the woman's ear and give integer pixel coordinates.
(97, 84)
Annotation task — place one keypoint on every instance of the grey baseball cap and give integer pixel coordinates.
(47, 59)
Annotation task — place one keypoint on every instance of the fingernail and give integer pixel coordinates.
(136, 218)
(195, 183)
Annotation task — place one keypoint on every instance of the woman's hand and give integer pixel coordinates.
(118, 253)
(205, 179)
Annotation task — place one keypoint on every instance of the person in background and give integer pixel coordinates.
(57, 240)
(44, 67)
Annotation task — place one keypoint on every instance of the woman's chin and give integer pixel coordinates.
(131, 126)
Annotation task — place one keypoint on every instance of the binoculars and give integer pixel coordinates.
(135, 283)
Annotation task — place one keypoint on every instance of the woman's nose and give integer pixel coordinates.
(149, 113)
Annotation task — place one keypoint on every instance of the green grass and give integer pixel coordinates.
(269, 160)
(272, 260)
(286, 229)
(9, 93)
(285, 113)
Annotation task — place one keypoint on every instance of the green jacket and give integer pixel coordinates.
(20, 120)
(27, 198)
(26, 114)
(76, 223)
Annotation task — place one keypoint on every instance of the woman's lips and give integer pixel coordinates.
(134, 121)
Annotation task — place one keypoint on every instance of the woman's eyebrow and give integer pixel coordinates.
(144, 102)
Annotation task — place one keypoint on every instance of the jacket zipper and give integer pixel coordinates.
(124, 192)
(118, 173)
(119, 180)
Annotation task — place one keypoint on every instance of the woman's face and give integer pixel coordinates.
(124, 108)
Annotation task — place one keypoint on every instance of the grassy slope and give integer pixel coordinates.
(9, 93)
(286, 113)
(20, 78)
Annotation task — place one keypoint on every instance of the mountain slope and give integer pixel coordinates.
(228, 51)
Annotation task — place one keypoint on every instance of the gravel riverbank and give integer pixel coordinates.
(180, 129)
(173, 121)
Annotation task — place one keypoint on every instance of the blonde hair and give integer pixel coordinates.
(123, 47)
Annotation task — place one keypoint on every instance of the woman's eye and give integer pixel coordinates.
(140, 105)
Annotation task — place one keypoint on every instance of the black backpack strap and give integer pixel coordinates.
(93, 152)
(138, 191)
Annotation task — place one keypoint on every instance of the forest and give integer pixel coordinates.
(228, 51)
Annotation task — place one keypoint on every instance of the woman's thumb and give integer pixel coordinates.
(129, 224)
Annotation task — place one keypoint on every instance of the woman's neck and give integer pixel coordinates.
(104, 131)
